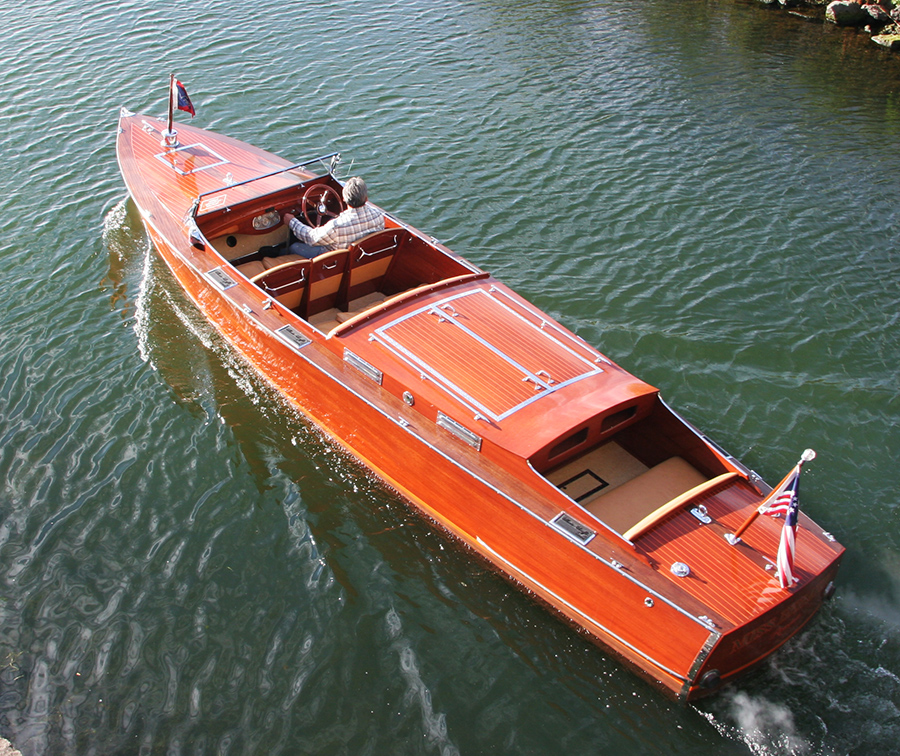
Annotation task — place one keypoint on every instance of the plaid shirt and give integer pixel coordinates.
(348, 227)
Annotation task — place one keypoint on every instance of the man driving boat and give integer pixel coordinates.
(357, 221)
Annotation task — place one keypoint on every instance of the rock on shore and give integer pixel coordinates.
(6, 748)
(880, 18)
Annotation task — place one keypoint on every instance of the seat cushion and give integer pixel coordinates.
(274, 262)
(627, 504)
(361, 305)
(251, 269)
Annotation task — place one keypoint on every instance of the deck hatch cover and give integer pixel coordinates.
(486, 353)
(192, 158)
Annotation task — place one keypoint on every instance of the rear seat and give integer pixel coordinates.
(625, 505)
(256, 267)
(360, 305)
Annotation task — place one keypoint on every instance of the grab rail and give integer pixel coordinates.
(403, 297)
(675, 504)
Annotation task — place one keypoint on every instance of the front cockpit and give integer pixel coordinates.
(337, 285)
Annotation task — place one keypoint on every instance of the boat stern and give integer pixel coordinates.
(738, 650)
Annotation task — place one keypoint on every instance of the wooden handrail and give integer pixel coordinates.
(284, 266)
(675, 504)
(403, 297)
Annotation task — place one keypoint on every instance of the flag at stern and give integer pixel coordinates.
(783, 500)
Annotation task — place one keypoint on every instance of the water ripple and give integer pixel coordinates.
(188, 566)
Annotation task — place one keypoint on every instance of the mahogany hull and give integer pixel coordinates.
(432, 482)
(616, 591)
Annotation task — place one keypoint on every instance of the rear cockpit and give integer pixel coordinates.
(634, 465)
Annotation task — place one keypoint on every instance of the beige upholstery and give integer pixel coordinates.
(326, 320)
(274, 262)
(627, 504)
(252, 269)
(360, 305)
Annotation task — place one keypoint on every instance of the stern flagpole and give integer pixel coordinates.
(170, 136)
(807, 456)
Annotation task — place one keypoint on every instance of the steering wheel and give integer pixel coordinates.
(320, 203)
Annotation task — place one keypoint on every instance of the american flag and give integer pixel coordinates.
(782, 498)
(785, 500)
(182, 101)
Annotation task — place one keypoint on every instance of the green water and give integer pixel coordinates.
(707, 191)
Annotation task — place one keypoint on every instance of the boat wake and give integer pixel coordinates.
(191, 375)
(818, 693)
(190, 367)
(764, 726)
(434, 724)
(122, 235)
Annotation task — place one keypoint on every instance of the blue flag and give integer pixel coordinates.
(182, 101)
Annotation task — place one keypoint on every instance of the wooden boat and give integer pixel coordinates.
(569, 475)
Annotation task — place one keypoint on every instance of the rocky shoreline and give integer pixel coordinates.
(880, 19)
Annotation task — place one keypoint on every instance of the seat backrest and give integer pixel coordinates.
(325, 276)
(370, 260)
(287, 283)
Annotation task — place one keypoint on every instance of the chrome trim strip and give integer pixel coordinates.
(561, 333)
(161, 156)
(699, 661)
(408, 359)
(577, 611)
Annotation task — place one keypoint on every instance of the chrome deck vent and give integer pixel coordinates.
(460, 431)
(364, 367)
(572, 529)
(292, 337)
(220, 278)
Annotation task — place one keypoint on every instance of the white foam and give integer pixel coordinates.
(765, 727)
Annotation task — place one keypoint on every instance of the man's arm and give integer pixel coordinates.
(315, 236)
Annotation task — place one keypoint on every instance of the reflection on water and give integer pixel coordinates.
(702, 190)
